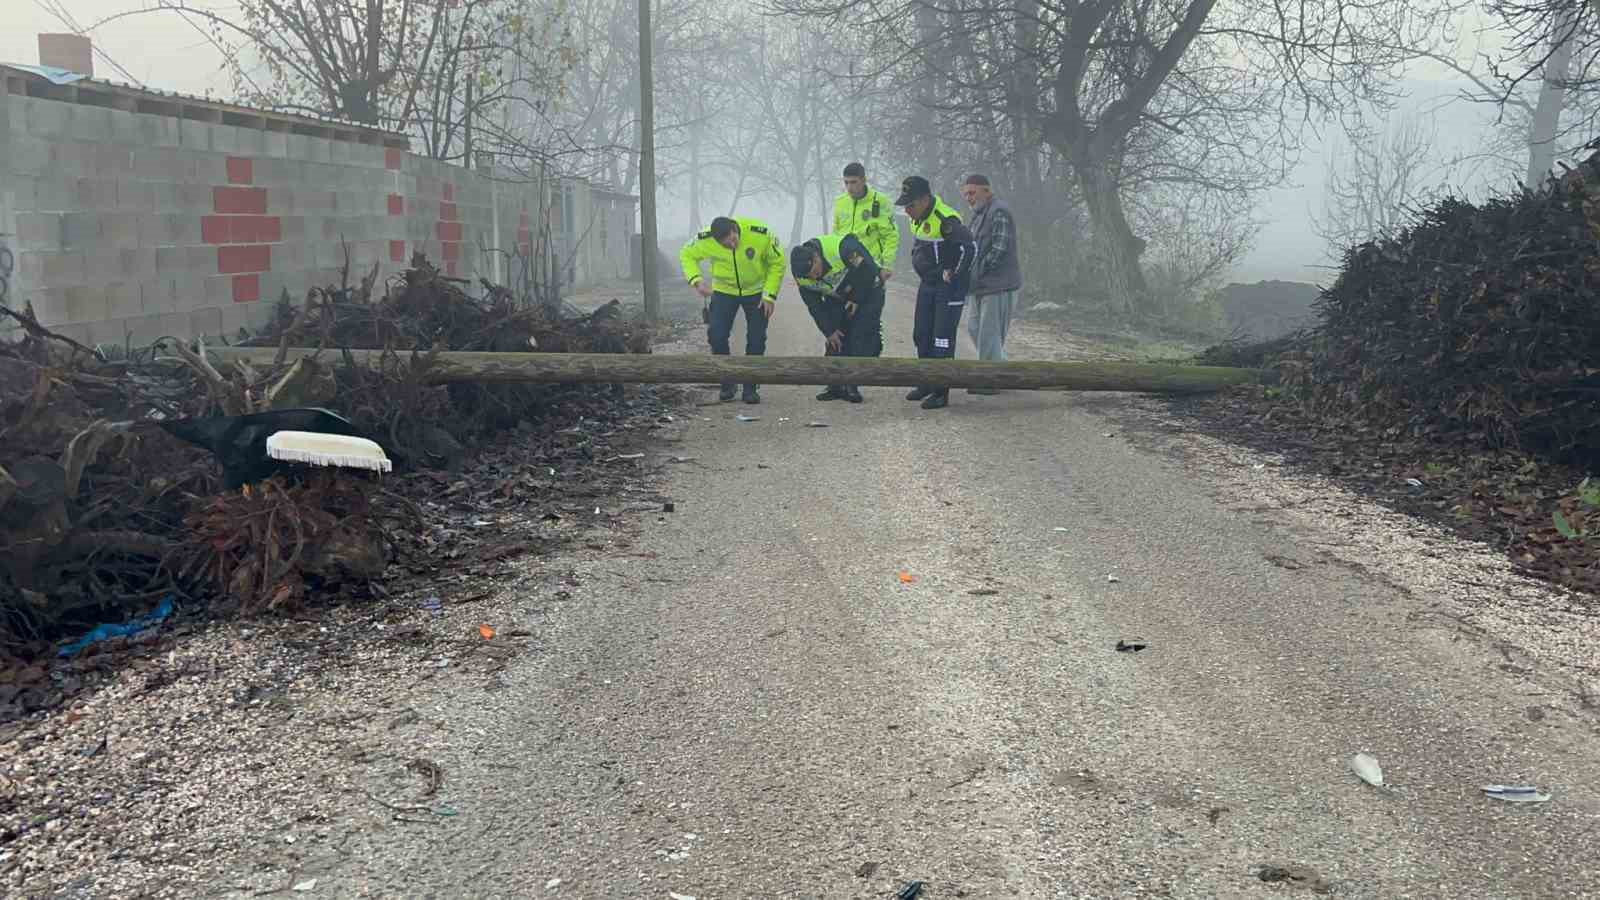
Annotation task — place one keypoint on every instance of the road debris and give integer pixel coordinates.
(1298, 876)
(911, 891)
(1112, 579)
(432, 774)
(1367, 769)
(982, 592)
(486, 632)
(128, 629)
(552, 884)
(816, 424)
(744, 418)
(310, 884)
(867, 869)
(1516, 793)
(907, 578)
(1130, 647)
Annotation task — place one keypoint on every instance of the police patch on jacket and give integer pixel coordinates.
(749, 253)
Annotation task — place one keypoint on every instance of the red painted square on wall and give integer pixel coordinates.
(239, 200)
(233, 259)
(214, 229)
(240, 170)
(246, 288)
(397, 251)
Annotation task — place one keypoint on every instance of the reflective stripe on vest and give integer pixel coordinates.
(932, 228)
(829, 243)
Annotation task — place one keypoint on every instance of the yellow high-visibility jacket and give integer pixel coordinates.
(755, 268)
(872, 220)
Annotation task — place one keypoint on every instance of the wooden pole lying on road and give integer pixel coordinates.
(606, 368)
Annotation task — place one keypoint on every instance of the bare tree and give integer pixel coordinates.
(1231, 85)
(441, 70)
(1372, 185)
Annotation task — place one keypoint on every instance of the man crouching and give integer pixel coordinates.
(841, 286)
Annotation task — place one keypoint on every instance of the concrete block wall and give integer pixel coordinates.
(128, 226)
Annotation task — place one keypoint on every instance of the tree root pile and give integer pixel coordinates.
(103, 513)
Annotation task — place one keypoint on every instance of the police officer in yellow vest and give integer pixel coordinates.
(942, 252)
(842, 288)
(746, 273)
(867, 214)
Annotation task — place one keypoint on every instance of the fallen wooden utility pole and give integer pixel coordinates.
(604, 368)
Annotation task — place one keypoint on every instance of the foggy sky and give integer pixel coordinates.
(165, 53)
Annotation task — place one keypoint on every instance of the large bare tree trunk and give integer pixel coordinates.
(1546, 124)
(1119, 248)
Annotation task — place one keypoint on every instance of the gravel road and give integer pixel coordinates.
(884, 650)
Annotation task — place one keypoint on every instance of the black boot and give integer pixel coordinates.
(750, 395)
(727, 393)
(853, 394)
(833, 392)
(919, 394)
(937, 400)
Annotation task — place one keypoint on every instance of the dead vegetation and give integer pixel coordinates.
(103, 513)
(1456, 368)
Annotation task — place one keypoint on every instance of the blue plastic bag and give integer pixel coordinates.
(106, 632)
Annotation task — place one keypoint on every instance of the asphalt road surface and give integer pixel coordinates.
(884, 650)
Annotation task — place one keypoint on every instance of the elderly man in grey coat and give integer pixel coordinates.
(996, 274)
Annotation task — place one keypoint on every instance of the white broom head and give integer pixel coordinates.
(316, 449)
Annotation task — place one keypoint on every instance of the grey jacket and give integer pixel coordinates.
(998, 267)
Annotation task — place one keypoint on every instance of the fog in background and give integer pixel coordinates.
(169, 51)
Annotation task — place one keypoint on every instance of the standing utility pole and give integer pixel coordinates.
(647, 169)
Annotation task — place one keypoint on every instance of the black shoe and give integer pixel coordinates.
(750, 395)
(853, 394)
(937, 400)
(726, 394)
(832, 394)
(919, 394)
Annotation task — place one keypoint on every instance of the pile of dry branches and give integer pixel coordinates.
(102, 511)
(1476, 323)
(423, 311)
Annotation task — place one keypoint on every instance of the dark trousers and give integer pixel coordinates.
(863, 332)
(724, 308)
(939, 308)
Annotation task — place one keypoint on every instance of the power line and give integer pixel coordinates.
(228, 55)
(62, 15)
